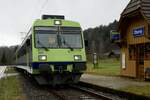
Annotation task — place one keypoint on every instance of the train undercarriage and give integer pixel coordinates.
(57, 78)
(58, 75)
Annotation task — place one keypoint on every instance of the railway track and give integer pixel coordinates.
(34, 91)
(70, 93)
(94, 93)
(107, 93)
(80, 91)
(58, 95)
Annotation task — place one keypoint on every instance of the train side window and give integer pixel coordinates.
(132, 53)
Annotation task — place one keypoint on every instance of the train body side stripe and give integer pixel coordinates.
(35, 65)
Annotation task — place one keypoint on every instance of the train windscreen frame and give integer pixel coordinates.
(58, 37)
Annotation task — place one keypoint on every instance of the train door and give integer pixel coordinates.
(140, 62)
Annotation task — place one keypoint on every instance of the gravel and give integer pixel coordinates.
(33, 91)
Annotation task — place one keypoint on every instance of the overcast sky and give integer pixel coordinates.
(16, 16)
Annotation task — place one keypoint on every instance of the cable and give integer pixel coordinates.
(34, 10)
(40, 11)
(42, 7)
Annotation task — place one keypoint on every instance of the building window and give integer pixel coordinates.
(132, 52)
(141, 50)
(148, 31)
(147, 52)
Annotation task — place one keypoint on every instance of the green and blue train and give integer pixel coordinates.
(53, 51)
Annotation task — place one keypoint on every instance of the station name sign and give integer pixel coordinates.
(138, 31)
(114, 35)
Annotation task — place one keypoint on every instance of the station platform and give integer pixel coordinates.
(113, 82)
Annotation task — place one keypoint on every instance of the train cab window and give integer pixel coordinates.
(132, 52)
(46, 37)
(71, 37)
(54, 37)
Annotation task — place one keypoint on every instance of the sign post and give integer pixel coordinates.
(95, 60)
(114, 36)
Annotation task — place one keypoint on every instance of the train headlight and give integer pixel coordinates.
(77, 57)
(42, 57)
(57, 22)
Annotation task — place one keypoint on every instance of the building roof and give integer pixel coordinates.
(138, 5)
(113, 52)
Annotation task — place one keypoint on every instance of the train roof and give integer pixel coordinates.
(50, 22)
(24, 40)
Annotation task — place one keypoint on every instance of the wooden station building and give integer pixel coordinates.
(134, 29)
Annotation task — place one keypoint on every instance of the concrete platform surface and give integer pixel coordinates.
(113, 82)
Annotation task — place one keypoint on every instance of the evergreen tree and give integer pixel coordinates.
(3, 59)
(99, 38)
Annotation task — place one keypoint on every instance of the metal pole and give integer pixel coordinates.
(95, 60)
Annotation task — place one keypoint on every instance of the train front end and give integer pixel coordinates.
(58, 52)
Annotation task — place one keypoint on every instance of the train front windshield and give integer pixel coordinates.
(58, 37)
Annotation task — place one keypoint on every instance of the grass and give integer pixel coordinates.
(111, 67)
(10, 89)
(108, 67)
(140, 90)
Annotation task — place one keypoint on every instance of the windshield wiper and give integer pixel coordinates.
(59, 40)
(68, 45)
(43, 46)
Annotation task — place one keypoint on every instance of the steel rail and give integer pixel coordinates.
(58, 95)
(117, 94)
(100, 95)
